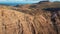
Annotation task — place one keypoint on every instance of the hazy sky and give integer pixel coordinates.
(24, 1)
(54, 0)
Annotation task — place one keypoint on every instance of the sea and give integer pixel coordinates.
(14, 4)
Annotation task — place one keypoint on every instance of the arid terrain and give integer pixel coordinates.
(39, 18)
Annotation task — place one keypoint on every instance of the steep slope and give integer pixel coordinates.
(29, 19)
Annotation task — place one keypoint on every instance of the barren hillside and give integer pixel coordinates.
(30, 19)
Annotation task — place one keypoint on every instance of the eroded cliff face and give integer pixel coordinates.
(28, 20)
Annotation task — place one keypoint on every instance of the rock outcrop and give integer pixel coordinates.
(28, 20)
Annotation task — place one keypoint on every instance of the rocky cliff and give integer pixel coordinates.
(30, 19)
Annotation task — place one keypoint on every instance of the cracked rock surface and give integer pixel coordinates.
(28, 22)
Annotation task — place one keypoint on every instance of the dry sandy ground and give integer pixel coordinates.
(18, 22)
